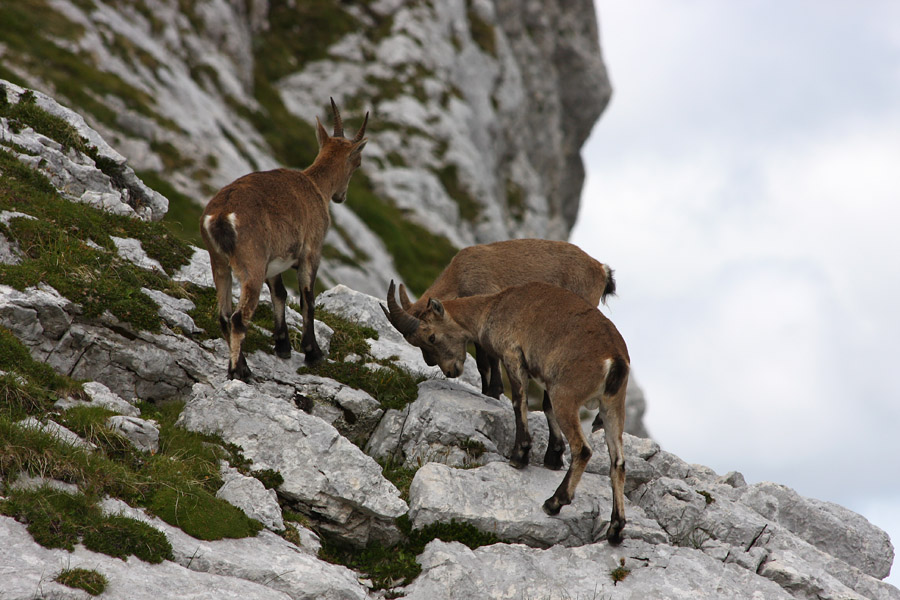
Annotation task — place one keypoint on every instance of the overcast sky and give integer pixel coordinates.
(744, 182)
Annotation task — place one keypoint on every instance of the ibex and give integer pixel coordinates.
(554, 336)
(489, 268)
(266, 222)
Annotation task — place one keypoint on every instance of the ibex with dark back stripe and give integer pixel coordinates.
(267, 222)
(554, 336)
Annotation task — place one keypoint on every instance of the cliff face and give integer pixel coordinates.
(129, 463)
(478, 108)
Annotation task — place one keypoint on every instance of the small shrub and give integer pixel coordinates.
(620, 573)
(268, 477)
(92, 582)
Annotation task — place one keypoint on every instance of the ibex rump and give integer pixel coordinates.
(267, 222)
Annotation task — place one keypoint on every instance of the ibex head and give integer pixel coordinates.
(435, 332)
(341, 155)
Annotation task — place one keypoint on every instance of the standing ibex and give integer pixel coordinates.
(489, 268)
(264, 223)
(559, 339)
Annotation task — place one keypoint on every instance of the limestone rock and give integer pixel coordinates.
(252, 497)
(450, 571)
(143, 434)
(100, 395)
(325, 476)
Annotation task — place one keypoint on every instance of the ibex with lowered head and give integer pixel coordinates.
(264, 223)
(554, 336)
(489, 268)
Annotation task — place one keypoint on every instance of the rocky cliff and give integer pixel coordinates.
(478, 108)
(132, 469)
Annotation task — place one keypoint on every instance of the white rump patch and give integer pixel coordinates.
(593, 403)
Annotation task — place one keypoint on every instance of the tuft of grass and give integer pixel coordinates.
(91, 581)
(59, 519)
(707, 496)
(399, 475)
(396, 566)
(200, 514)
(349, 336)
(620, 573)
(391, 386)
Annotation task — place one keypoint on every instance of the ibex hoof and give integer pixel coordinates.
(552, 506)
(242, 372)
(553, 460)
(283, 349)
(614, 535)
(313, 356)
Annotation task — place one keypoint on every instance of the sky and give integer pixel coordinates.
(744, 183)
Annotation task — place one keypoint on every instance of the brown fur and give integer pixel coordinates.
(489, 268)
(264, 223)
(551, 334)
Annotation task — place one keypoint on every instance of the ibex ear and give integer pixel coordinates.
(358, 148)
(436, 307)
(321, 135)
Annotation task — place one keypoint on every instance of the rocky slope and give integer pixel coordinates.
(479, 108)
(114, 300)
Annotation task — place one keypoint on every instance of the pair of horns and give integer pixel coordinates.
(339, 124)
(402, 321)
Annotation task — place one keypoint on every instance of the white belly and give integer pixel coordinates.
(277, 266)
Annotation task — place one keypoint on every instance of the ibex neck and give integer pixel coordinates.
(324, 175)
(470, 313)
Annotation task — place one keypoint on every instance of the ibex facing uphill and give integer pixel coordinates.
(264, 223)
(489, 268)
(554, 336)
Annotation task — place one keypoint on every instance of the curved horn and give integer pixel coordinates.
(338, 123)
(402, 321)
(404, 299)
(362, 132)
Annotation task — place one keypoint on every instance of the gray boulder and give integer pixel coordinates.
(325, 476)
(505, 501)
(451, 571)
(100, 395)
(252, 497)
(143, 434)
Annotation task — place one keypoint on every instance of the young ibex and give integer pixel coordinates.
(554, 336)
(264, 223)
(489, 268)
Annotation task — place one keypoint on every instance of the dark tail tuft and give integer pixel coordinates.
(222, 233)
(610, 289)
(618, 375)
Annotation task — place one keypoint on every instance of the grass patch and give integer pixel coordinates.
(418, 254)
(349, 337)
(392, 387)
(91, 581)
(469, 208)
(59, 519)
(30, 35)
(619, 573)
(200, 514)
(183, 217)
(396, 566)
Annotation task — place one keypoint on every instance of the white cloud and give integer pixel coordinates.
(744, 184)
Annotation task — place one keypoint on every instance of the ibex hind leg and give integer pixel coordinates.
(556, 445)
(237, 366)
(308, 343)
(279, 300)
(581, 454)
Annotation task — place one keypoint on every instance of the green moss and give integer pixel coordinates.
(397, 565)
(483, 33)
(58, 519)
(419, 255)
(515, 200)
(349, 336)
(300, 32)
(122, 537)
(31, 34)
(201, 515)
(392, 387)
(91, 581)
(469, 208)
(183, 217)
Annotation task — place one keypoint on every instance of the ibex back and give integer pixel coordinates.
(556, 337)
(264, 223)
